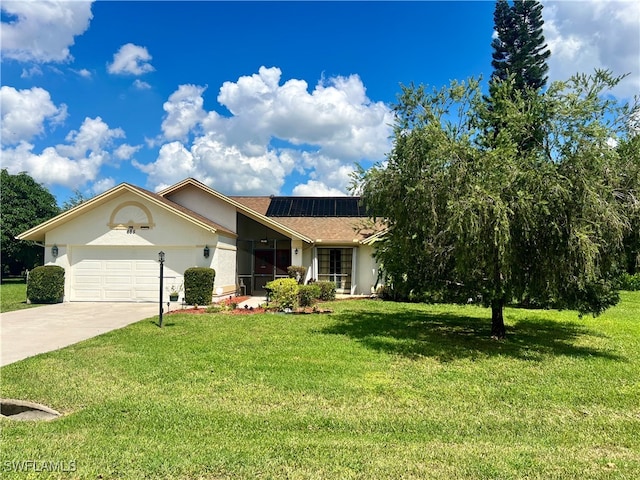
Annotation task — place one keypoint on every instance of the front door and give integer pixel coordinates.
(263, 269)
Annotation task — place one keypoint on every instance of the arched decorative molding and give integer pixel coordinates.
(131, 216)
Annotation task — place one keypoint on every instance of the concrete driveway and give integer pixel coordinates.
(43, 329)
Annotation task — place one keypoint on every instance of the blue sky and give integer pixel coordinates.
(251, 98)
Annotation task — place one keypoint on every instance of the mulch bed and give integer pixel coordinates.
(226, 301)
(243, 311)
(230, 300)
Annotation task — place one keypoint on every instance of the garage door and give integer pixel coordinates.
(125, 274)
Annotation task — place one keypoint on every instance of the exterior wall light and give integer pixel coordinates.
(206, 251)
(295, 252)
(54, 251)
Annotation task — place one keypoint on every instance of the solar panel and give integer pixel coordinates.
(315, 207)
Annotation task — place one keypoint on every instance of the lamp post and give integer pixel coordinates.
(161, 260)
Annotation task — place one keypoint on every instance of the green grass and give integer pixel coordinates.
(13, 295)
(375, 390)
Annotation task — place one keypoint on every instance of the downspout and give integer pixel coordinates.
(314, 262)
(354, 270)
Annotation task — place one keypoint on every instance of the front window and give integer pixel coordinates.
(334, 265)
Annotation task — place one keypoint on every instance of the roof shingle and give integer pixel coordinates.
(320, 229)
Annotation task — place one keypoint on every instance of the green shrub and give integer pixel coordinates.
(327, 291)
(198, 285)
(385, 292)
(298, 272)
(308, 294)
(46, 284)
(629, 282)
(284, 292)
(217, 308)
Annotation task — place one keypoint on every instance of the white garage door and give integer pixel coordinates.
(125, 274)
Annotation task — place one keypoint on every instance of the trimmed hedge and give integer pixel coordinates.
(284, 292)
(198, 285)
(46, 284)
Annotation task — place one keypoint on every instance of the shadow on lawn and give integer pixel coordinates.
(449, 336)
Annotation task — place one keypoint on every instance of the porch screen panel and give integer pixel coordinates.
(245, 257)
(283, 257)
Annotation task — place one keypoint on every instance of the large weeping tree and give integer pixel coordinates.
(629, 152)
(472, 215)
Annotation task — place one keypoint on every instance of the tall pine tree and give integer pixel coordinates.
(519, 48)
(519, 56)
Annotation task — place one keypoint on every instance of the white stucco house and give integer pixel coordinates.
(109, 245)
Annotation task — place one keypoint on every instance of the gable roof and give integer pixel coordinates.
(257, 204)
(309, 224)
(332, 229)
(38, 232)
(327, 229)
(244, 209)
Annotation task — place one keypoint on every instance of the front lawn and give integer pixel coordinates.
(13, 295)
(375, 390)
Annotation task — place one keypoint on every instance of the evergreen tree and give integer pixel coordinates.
(519, 48)
(24, 204)
(519, 57)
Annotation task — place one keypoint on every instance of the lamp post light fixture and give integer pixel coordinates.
(161, 260)
(206, 251)
(54, 251)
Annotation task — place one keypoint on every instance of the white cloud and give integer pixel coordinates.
(229, 169)
(221, 166)
(24, 113)
(274, 129)
(314, 188)
(593, 34)
(130, 60)
(94, 136)
(174, 163)
(333, 172)
(125, 151)
(84, 73)
(49, 167)
(140, 85)
(102, 185)
(184, 112)
(42, 31)
(72, 164)
(336, 116)
(31, 72)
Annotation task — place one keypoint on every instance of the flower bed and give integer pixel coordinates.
(229, 306)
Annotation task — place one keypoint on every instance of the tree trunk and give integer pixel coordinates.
(497, 319)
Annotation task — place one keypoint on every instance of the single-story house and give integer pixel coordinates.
(109, 246)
